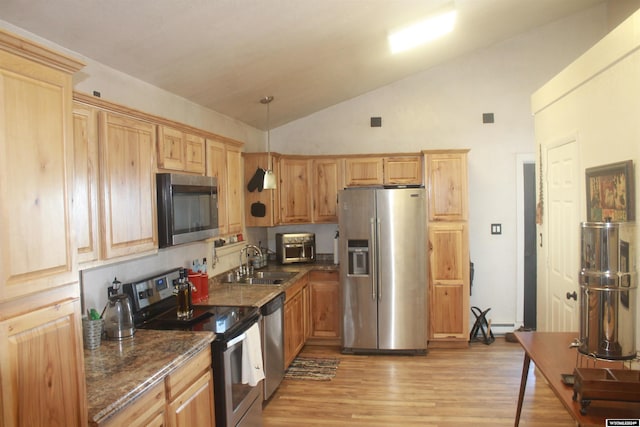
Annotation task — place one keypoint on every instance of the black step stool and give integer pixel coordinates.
(481, 325)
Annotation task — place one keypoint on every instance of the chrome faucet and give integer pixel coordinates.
(244, 269)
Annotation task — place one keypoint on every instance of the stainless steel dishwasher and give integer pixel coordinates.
(272, 325)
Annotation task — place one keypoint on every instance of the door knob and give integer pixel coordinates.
(573, 295)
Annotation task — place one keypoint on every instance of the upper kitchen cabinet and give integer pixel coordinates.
(41, 359)
(326, 182)
(363, 171)
(128, 185)
(405, 170)
(261, 207)
(85, 206)
(180, 151)
(224, 161)
(295, 195)
(447, 183)
(36, 168)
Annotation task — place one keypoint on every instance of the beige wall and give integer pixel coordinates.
(596, 98)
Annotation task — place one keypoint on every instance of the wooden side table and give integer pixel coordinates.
(553, 357)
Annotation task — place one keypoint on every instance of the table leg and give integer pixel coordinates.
(523, 386)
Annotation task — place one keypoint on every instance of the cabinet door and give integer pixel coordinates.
(42, 367)
(37, 248)
(403, 170)
(325, 304)
(128, 185)
(194, 157)
(171, 148)
(295, 198)
(85, 204)
(363, 171)
(447, 176)
(217, 167)
(194, 406)
(449, 281)
(326, 175)
(293, 328)
(234, 189)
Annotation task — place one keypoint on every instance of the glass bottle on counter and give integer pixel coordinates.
(183, 292)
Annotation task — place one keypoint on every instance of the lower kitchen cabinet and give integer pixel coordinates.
(41, 366)
(295, 319)
(147, 410)
(448, 284)
(183, 399)
(190, 393)
(325, 307)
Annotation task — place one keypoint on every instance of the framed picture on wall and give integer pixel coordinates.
(610, 193)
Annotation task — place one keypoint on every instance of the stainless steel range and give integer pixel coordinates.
(155, 307)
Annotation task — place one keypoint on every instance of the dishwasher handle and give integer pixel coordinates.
(272, 306)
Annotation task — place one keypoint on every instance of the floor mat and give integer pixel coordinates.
(312, 368)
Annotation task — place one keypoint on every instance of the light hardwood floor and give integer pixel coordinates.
(477, 386)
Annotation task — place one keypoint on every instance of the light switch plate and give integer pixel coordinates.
(496, 228)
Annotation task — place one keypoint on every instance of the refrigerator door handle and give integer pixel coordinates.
(378, 259)
(372, 254)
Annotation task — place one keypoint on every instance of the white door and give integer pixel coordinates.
(563, 237)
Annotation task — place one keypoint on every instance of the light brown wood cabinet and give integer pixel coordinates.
(183, 399)
(42, 366)
(403, 170)
(147, 410)
(295, 190)
(128, 185)
(269, 198)
(180, 151)
(296, 325)
(41, 356)
(224, 161)
(36, 168)
(363, 171)
(85, 206)
(326, 183)
(325, 305)
(449, 281)
(190, 393)
(448, 185)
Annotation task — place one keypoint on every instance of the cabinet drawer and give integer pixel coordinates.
(323, 276)
(179, 380)
(146, 410)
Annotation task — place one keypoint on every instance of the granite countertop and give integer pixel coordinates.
(118, 372)
(236, 294)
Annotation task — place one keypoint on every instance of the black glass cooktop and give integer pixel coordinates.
(223, 320)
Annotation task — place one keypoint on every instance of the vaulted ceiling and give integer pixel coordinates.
(309, 54)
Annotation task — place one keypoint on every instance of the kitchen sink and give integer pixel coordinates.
(261, 278)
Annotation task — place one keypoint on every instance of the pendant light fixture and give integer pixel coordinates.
(269, 176)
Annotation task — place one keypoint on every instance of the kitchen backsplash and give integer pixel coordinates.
(95, 281)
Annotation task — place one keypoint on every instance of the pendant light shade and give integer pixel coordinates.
(269, 177)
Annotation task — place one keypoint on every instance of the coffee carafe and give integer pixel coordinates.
(118, 317)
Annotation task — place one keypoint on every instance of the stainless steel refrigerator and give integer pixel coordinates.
(383, 269)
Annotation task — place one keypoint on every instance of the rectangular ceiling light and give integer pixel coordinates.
(422, 32)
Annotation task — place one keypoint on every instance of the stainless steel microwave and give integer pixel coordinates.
(187, 208)
(295, 247)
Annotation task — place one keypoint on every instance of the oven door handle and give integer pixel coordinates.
(236, 340)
